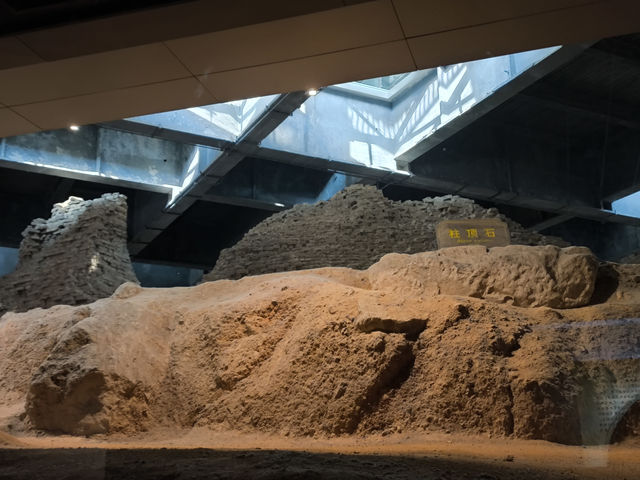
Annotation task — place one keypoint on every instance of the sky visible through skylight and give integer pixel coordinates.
(629, 205)
(386, 83)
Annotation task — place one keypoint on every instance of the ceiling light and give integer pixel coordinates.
(312, 92)
(74, 128)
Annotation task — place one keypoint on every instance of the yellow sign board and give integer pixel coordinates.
(489, 232)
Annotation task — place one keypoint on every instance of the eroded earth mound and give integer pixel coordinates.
(506, 341)
(354, 229)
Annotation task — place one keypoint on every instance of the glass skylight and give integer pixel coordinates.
(384, 88)
(385, 83)
(629, 205)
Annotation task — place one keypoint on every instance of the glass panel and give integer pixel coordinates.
(385, 83)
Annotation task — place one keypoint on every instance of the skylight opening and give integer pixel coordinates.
(629, 205)
(385, 83)
(386, 88)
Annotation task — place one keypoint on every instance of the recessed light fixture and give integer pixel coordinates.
(312, 92)
(74, 128)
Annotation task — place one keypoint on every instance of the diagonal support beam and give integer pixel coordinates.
(562, 211)
(551, 222)
(247, 144)
(592, 108)
(245, 202)
(449, 122)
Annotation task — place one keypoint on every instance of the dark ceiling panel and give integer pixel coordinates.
(19, 15)
(24, 5)
(197, 237)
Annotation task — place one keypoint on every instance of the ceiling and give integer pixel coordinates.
(20, 15)
(79, 62)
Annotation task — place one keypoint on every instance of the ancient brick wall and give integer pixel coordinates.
(353, 229)
(76, 256)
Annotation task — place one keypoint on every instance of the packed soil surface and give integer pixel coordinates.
(197, 454)
(461, 363)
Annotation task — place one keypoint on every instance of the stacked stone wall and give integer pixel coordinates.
(355, 228)
(76, 256)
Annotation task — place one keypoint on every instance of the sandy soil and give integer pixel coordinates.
(199, 454)
(463, 363)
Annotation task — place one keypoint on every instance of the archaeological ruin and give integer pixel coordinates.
(368, 330)
(504, 341)
(76, 256)
(354, 229)
(372, 239)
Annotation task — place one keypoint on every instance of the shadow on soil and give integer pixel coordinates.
(174, 464)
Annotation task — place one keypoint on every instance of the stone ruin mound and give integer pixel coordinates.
(76, 256)
(354, 229)
(505, 341)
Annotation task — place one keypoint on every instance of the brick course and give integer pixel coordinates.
(76, 256)
(355, 228)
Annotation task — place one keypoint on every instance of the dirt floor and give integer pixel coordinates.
(198, 455)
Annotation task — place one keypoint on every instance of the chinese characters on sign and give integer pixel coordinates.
(473, 233)
(489, 232)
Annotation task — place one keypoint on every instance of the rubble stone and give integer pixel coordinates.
(75, 257)
(545, 276)
(354, 229)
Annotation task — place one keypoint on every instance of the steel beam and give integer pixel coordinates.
(247, 144)
(245, 202)
(592, 108)
(387, 177)
(551, 222)
(495, 99)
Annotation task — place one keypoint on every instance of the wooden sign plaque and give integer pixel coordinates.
(489, 232)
